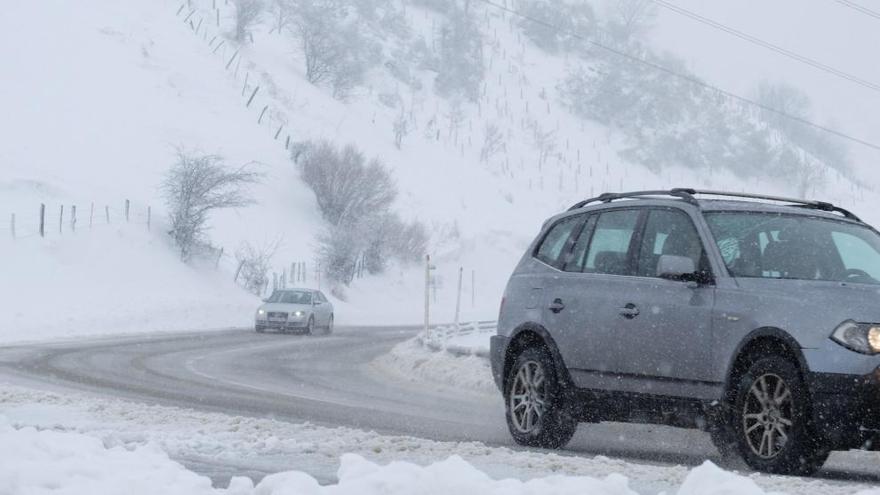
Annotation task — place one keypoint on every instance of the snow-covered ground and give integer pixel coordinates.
(75, 444)
(116, 279)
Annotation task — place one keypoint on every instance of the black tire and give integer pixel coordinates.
(554, 427)
(310, 326)
(329, 329)
(771, 420)
(723, 437)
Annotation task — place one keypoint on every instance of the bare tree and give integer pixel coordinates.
(332, 50)
(493, 142)
(632, 18)
(401, 129)
(283, 12)
(787, 99)
(247, 14)
(194, 187)
(254, 263)
(345, 184)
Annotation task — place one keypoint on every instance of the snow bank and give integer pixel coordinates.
(42, 461)
(259, 445)
(411, 361)
(112, 280)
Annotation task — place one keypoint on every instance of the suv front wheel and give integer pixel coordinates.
(537, 413)
(771, 420)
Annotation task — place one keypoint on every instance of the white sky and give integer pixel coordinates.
(823, 30)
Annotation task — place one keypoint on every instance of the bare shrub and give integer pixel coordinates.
(254, 265)
(355, 198)
(194, 187)
(345, 184)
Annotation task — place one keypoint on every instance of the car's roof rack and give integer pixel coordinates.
(688, 194)
(609, 197)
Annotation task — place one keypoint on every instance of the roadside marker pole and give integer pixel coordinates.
(42, 220)
(427, 291)
(458, 297)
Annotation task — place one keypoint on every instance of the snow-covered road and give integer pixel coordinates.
(330, 381)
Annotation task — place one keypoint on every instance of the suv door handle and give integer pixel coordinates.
(557, 305)
(629, 311)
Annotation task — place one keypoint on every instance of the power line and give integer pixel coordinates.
(690, 79)
(859, 8)
(770, 46)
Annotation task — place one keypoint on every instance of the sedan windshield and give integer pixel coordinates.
(773, 245)
(290, 297)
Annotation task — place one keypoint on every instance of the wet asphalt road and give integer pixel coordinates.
(326, 380)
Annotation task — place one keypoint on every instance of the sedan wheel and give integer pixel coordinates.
(310, 329)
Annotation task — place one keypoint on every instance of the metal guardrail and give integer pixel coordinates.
(438, 337)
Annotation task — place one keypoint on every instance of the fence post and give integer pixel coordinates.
(458, 297)
(61, 219)
(238, 271)
(149, 216)
(91, 214)
(12, 226)
(427, 292)
(107, 213)
(473, 288)
(127, 205)
(42, 220)
(73, 218)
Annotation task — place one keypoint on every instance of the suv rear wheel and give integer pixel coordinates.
(771, 421)
(537, 413)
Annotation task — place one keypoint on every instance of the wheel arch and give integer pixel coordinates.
(530, 335)
(761, 342)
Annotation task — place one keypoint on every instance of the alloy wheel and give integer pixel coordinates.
(767, 416)
(528, 397)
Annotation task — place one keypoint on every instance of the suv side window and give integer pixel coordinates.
(669, 232)
(556, 245)
(609, 247)
(578, 257)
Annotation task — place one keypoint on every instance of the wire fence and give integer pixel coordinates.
(51, 220)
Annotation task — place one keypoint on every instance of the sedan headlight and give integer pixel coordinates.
(299, 314)
(859, 337)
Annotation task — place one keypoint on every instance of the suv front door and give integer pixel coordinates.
(668, 347)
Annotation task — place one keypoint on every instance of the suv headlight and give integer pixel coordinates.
(859, 337)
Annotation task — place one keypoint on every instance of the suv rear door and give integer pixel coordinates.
(582, 303)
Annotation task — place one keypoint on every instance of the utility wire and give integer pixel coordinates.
(859, 8)
(770, 46)
(685, 77)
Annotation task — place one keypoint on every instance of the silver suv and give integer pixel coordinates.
(755, 319)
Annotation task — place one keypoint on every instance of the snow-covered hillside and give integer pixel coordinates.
(98, 99)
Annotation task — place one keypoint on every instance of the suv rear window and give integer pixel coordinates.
(557, 243)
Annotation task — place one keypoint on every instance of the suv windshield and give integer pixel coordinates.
(773, 245)
(290, 297)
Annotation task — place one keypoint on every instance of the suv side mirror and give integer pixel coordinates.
(676, 268)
